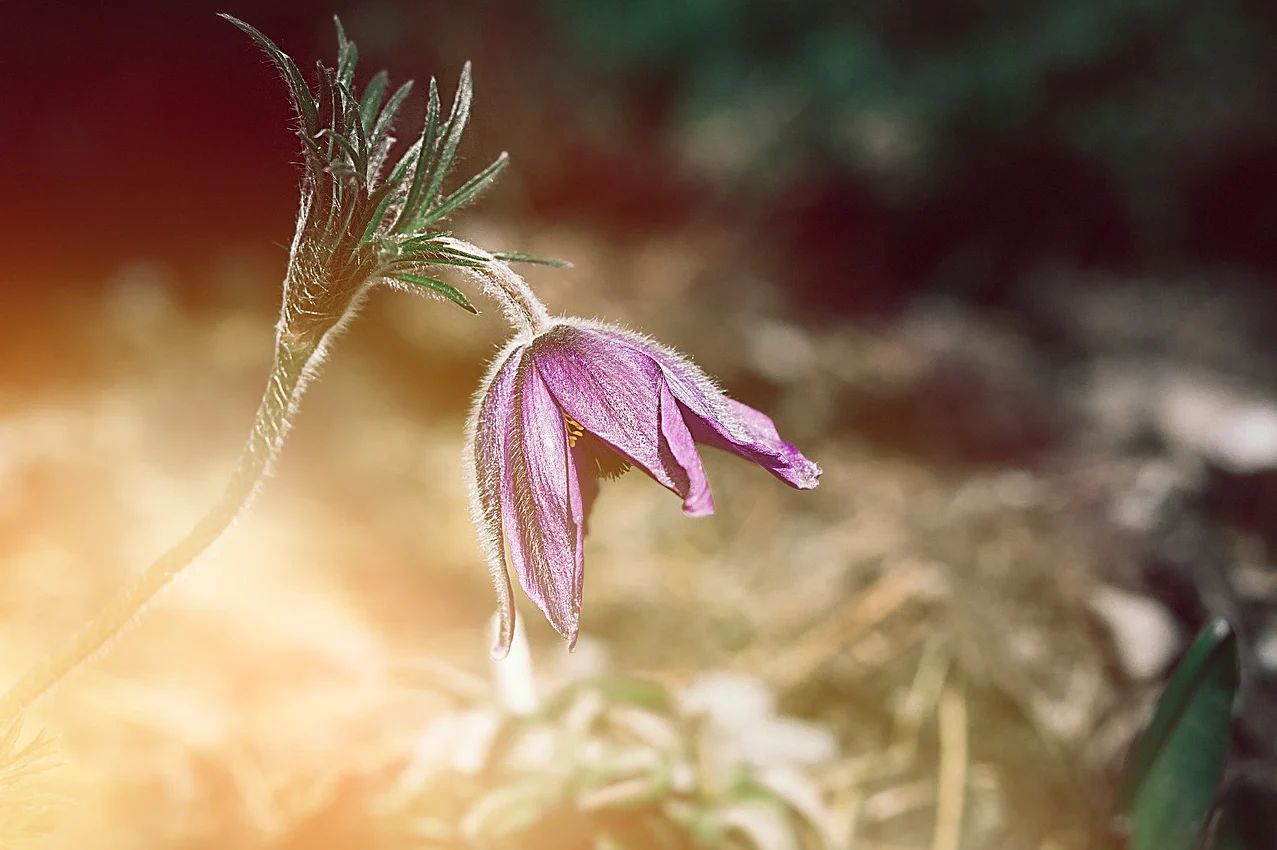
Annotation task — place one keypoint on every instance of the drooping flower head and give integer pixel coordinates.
(577, 401)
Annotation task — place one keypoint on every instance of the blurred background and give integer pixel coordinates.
(1003, 268)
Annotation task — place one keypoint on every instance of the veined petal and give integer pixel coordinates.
(719, 421)
(541, 503)
(751, 434)
(487, 428)
(614, 392)
(697, 501)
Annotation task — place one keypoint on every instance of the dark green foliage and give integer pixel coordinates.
(1178, 762)
(910, 95)
(359, 220)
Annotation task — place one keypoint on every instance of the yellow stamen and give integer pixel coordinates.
(575, 430)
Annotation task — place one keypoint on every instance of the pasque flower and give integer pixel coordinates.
(574, 401)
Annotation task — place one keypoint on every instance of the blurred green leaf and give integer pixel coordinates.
(624, 690)
(509, 809)
(1178, 762)
(764, 824)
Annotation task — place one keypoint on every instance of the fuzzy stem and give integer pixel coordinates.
(522, 308)
(294, 360)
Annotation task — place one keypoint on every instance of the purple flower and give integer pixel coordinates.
(581, 401)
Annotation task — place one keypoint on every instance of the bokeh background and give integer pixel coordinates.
(1004, 268)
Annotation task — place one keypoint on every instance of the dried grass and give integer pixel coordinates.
(277, 696)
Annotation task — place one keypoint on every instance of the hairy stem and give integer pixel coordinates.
(295, 358)
(523, 310)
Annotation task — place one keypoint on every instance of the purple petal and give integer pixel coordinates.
(615, 393)
(697, 501)
(751, 434)
(541, 501)
(719, 421)
(488, 426)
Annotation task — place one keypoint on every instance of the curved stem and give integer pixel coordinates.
(522, 308)
(287, 382)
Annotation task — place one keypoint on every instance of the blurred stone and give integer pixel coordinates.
(1266, 649)
(743, 728)
(1233, 428)
(730, 698)
(1143, 506)
(1145, 637)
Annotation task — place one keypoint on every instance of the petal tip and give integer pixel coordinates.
(811, 478)
(499, 650)
(699, 508)
(503, 633)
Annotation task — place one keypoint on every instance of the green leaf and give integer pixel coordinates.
(762, 824)
(508, 810)
(353, 126)
(341, 141)
(438, 252)
(382, 196)
(434, 284)
(297, 88)
(347, 55)
(448, 254)
(619, 690)
(422, 165)
(430, 129)
(421, 239)
(469, 190)
(1178, 763)
(326, 100)
(458, 118)
(371, 100)
(520, 257)
(387, 116)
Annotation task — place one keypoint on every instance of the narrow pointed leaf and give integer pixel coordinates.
(309, 145)
(430, 130)
(422, 238)
(384, 194)
(435, 252)
(371, 101)
(468, 191)
(458, 118)
(434, 284)
(379, 212)
(423, 243)
(449, 251)
(1178, 762)
(387, 116)
(297, 88)
(400, 171)
(342, 142)
(422, 167)
(347, 55)
(353, 128)
(326, 99)
(417, 259)
(521, 257)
